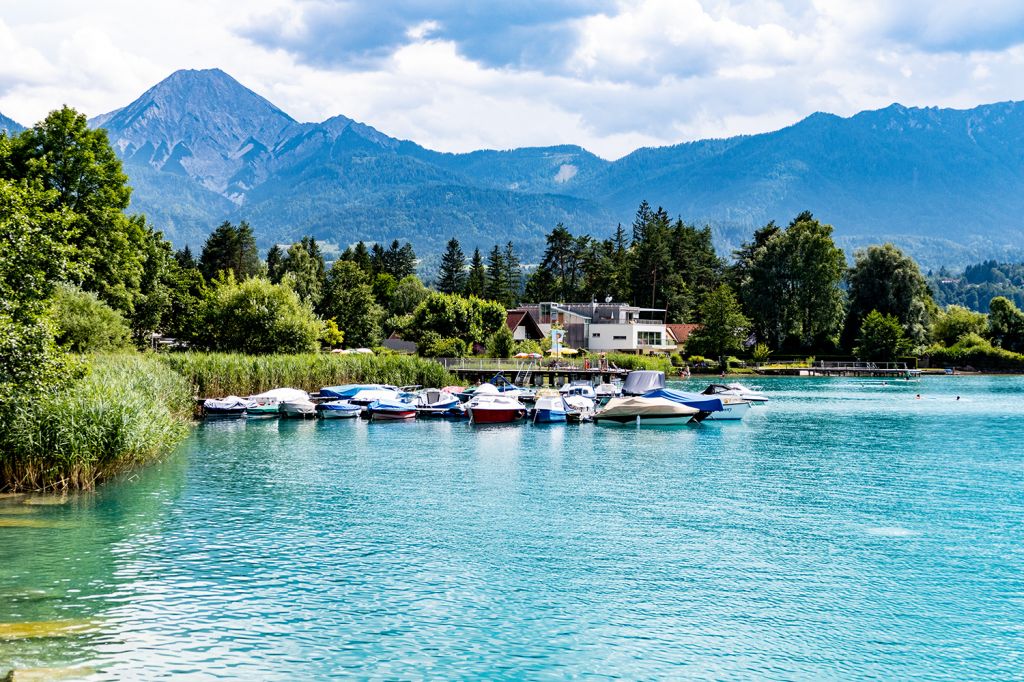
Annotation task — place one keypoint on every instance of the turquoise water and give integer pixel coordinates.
(847, 530)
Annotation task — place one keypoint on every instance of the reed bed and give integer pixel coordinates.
(643, 362)
(128, 410)
(221, 374)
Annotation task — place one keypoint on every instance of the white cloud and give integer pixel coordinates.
(637, 73)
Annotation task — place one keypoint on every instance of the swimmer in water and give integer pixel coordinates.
(918, 396)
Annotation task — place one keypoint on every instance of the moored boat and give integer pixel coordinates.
(488, 406)
(579, 409)
(434, 402)
(230, 407)
(733, 409)
(736, 391)
(298, 408)
(268, 403)
(582, 388)
(650, 411)
(706, 404)
(388, 409)
(347, 391)
(549, 409)
(338, 409)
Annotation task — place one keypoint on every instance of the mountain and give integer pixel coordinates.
(201, 148)
(9, 126)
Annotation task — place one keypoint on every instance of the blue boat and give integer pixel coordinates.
(390, 409)
(348, 390)
(704, 403)
(550, 409)
(338, 409)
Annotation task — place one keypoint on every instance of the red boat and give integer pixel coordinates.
(491, 407)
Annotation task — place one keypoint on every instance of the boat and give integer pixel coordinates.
(338, 409)
(489, 406)
(733, 409)
(583, 388)
(267, 404)
(390, 409)
(298, 408)
(365, 396)
(737, 391)
(230, 407)
(579, 409)
(705, 404)
(550, 408)
(642, 381)
(631, 410)
(605, 390)
(434, 402)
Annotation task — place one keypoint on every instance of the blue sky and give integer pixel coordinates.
(611, 75)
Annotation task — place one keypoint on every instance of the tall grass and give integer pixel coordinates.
(128, 410)
(648, 362)
(220, 374)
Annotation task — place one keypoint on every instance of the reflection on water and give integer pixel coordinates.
(847, 529)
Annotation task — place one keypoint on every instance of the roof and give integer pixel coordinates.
(681, 332)
(522, 318)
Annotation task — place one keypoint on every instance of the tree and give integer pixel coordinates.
(349, 301)
(407, 294)
(85, 324)
(513, 277)
(185, 259)
(696, 270)
(359, 255)
(1006, 324)
(154, 297)
(497, 280)
(187, 292)
(881, 338)
(559, 275)
(476, 280)
(452, 277)
(231, 249)
(652, 257)
(501, 344)
(256, 316)
(399, 260)
(275, 265)
(883, 278)
(956, 321)
(724, 327)
(84, 179)
(302, 268)
(791, 288)
(472, 320)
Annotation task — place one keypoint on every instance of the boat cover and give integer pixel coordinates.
(348, 390)
(369, 395)
(281, 395)
(232, 402)
(340, 406)
(640, 382)
(704, 403)
(633, 406)
(391, 405)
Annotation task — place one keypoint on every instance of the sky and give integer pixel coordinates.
(458, 75)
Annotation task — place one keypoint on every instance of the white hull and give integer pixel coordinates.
(730, 412)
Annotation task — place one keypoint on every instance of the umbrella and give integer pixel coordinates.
(523, 356)
(563, 351)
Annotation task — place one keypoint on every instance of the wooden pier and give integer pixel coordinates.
(889, 370)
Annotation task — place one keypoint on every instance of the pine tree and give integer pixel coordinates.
(497, 280)
(376, 260)
(185, 259)
(274, 263)
(230, 248)
(513, 277)
(476, 281)
(452, 277)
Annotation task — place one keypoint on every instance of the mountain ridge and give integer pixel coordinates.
(202, 148)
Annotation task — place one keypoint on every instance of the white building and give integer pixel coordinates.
(605, 327)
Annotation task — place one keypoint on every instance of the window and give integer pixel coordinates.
(619, 338)
(595, 335)
(649, 338)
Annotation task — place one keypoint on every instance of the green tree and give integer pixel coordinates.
(501, 343)
(452, 276)
(185, 259)
(1006, 324)
(359, 255)
(407, 294)
(85, 324)
(472, 320)
(476, 280)
(187, 292)
(154, 298)
(275, 264)
(399, 260)
(652, 257)
(231, 249)
(256, 316)
(724, 327)
(956, 321)
(85, 181)
(883, 278)
(350, 302)
(497, 279)
(302, 268)
(791, 288)
(881, 338)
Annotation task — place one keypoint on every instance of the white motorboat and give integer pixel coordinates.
(436, 402)
(299, 408)
(550, 408)
(230, 407)
(268, 403)
(733, 409)
(372, 395)
(604, 391)
(488, 406)
(580, 409)
(338, 409)
(737, 391)
(582, 388)
(650, 411)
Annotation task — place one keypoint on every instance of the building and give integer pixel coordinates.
(604, 327)
(523, 325)
(680, 333)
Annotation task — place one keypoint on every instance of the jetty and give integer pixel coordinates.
(843, 368)
(539, 373)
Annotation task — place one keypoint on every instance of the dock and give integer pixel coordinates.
(823, 368)
(472, 371)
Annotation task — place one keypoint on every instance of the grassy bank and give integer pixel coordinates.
(128, 410)
(220, 374)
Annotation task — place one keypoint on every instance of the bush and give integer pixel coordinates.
(647, 362)
(528, 346)
(220, 374)
(881, 338)
(126, 411)
(85, 324)
(975, 351)
(501, 344)
(955, 322)
(761, 353)
(258, 317)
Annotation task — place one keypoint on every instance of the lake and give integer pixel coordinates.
(845, 530)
